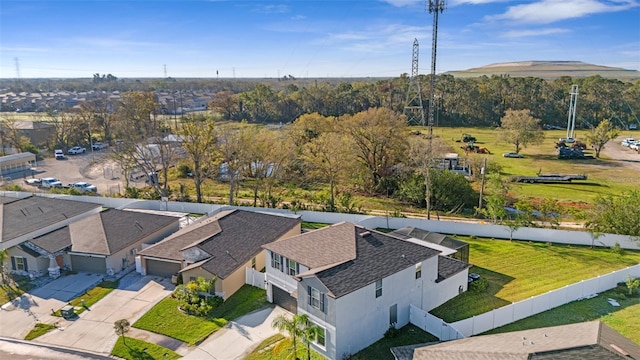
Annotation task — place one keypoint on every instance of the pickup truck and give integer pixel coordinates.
(76, 150)
(98, 146)
(83, 187)
(50, 182)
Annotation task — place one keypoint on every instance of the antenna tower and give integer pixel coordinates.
(413, 108)
(165, 71)
(17, 61)
(435, 7)
(571, 121)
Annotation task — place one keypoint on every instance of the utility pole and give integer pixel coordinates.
(435, 7)
(483, 171)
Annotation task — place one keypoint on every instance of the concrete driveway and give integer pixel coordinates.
(239, 337)
(18, 317)
(93, 329)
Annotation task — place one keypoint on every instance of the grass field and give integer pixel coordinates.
(518, 270)
(408, 335)
(166, 319)
(39, 329)
(604, 177)
(278, 347)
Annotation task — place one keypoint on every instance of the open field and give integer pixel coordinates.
(605, 177)
(517, 270)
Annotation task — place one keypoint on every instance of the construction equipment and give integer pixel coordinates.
(472, 148)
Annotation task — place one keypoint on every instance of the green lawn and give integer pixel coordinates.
(92, 296)
(38, 330)
(134, 349)
(605, 178)
(518, 270)
(166, 319)
(624, 319)
(277, 347)
(408, 335)
(313, 225)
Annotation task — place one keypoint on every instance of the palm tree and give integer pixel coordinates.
(121, 327)
(291, 326)
(308, 332)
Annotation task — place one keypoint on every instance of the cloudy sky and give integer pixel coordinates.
(305, 38)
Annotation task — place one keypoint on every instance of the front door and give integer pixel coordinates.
(393, 315)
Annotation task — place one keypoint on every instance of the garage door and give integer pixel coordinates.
(88, 264)
(284, 300)
(162, 268)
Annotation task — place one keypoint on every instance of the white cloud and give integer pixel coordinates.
(298, 17)
(379, 39)
(401, 3)
(474, 2)
(272, 9)
(548, 11)
(534, 32)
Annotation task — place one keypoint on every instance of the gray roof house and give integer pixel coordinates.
(104, 242)
(582, 341)
(354, 283)
(461, 248)
(219, 247)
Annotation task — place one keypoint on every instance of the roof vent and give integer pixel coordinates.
(365, 233)
(137, 225)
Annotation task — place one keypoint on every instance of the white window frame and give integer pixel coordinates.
(315, 298)
(292, 267)
(23, 261)
(324, 336)
(418, 270)
(276, 261)
(378, 288)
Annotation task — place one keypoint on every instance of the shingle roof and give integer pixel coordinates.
(54, 241)
(586, 340)
(336, 242)
(231, 238)
(33, 213)
(113, 230)
(448, 267)
(242, 236)
(378, 255)
(170, 247)
(432, 237)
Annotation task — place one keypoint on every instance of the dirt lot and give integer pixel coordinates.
(623, 155)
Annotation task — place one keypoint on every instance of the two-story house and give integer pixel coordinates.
(355, 283)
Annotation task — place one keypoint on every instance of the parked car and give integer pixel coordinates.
(98, 146)
(627, 142)
(633, 126)
(58, 154)
(50, 182)
(34, 182)
(83, 187)
(634, 145)
(76, 150)
(512, 155)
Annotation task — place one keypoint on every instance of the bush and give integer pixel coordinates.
(478, 285)
(391, 332)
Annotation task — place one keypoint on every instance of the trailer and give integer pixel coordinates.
(549, 178)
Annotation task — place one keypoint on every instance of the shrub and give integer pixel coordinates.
(617, 249)
(391, 332)
(478, 285)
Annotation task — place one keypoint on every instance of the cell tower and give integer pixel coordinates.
(17, 61)
(435, 7)
(413, 108)
(571, 122)
(165, 71)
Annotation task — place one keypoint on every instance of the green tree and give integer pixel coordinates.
(326, 161)
(379, 143)
(199, 142)
(292, 326)
(309, 332)
(632, 284)
(618, 214)
(121, 327)
(601, 134)
(520, 129)
(496, 201)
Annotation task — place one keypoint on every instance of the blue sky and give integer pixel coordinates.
(305, 38)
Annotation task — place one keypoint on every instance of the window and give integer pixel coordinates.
(19, 263)
(276, 261)
(418, 270)
(292, 268)
(253, 263)
(379, 288)
(316, 298)
(319, 336)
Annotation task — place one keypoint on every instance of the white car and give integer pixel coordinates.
(635, 145)
(58, 154)
(83, 187)
(627, 142)
(76, 150)
(50, 183)
(98, 146)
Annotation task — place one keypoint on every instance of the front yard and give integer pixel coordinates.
(165, 318)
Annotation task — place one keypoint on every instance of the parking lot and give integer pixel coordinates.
(93, 167)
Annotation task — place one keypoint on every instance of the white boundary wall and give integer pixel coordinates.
(255, 278)
(519, 310)
(372, 222)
